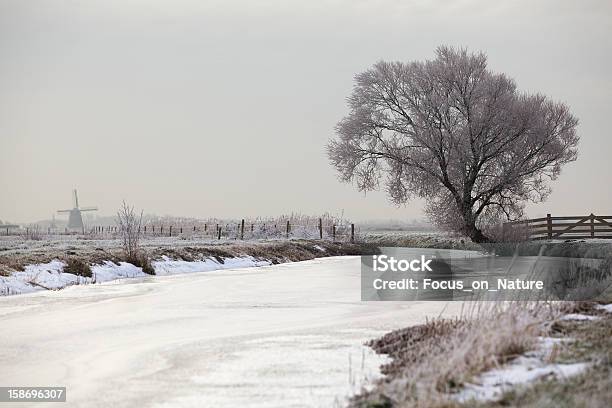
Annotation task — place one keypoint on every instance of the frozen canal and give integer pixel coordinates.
(280, 336)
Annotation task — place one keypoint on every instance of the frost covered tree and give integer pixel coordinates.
(130, 230)
(456, 134)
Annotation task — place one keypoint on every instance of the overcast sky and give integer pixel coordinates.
(223, 108)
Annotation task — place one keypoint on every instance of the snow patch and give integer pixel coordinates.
(109, 271)
(606, 308)
(169, 266)
(39, 277)
(577, 316)
(491, 385)
(319, 248)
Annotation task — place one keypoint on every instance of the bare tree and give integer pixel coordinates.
(453, 132)
(130, 229)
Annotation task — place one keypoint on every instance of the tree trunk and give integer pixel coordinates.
(477, 236)
(471, 229)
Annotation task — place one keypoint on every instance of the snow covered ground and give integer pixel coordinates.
(529, 367)
(50, 276)
(523, 370)
(169, 266)
(274, 336)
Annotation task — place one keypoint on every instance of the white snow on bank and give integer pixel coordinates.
(38, 277)
(169, 266)
(50, 276)
(111, 271)
(577, 316)
(606, 308)
(491, 385)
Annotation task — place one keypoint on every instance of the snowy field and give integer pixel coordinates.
(274, 336)
(10, 245)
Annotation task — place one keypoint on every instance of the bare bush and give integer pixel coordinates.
(499, 232)
(33, 233)
(130, 230)
(77, 267)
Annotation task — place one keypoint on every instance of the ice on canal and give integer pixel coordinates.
(273, 336)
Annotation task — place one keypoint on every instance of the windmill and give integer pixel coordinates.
(75, 220)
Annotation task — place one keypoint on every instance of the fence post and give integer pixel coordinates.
(242, 229)
(592, 225)
(288, 229)
(205, 227)
(320, 228)
(218, 232)
(181, 230)
(352, 233)
(171, 230)
(549, 226)
(334, 232)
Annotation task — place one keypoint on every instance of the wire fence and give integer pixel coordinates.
(240, 230)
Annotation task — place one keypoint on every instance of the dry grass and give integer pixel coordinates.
(141, 259)
(432, 361)
(577, 280)
(411, 239)
(592, 343)
(77, 267)
(96, 252)
(10, 264)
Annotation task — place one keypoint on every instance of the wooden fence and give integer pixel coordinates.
(569, 227)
